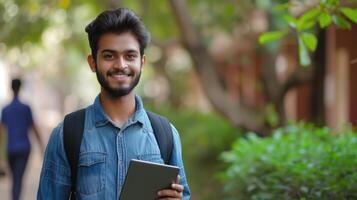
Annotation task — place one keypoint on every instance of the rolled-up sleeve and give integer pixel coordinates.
(55, 180)
(176, 159)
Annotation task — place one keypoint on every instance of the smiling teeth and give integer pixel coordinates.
(118, 74)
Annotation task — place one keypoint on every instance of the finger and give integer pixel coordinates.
(177, 187)
(169, 193)
(177, 179)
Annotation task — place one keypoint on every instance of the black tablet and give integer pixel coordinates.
(144, 179)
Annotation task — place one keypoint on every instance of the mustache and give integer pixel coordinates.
(124, 71)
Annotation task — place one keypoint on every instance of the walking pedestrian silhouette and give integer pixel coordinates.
(16, 121)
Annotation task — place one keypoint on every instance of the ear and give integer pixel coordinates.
(92, 63)
(143, 61)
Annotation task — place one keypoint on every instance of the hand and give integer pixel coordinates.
(175, 192)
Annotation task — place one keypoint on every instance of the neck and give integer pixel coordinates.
(119, 109)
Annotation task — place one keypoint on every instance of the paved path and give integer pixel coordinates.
(31, 177)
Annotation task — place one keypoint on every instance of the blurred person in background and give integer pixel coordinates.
(16, 121)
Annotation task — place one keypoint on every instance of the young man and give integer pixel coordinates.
(16, 120)
(117, 128)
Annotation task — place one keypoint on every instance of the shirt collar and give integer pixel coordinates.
(16, 99)
(101, 118)
(140, 113)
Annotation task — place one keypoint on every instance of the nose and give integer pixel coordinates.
(121, 63)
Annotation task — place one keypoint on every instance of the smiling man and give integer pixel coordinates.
(116, 128)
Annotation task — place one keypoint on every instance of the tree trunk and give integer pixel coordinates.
(317, 97)
(239, 115)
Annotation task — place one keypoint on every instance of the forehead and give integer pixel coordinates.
(118, 42)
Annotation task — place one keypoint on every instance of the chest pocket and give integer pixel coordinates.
(91, 173)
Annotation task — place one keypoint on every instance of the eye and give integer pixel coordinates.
(108, 56)
(131, 56)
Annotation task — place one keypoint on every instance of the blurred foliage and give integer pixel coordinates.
(271, 115)
(158, 11)
(47, 36)
(203, 136)
(304, 27)
(300, 161)
(211, 16)
(28, 15)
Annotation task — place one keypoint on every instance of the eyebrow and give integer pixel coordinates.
(113, 51)
(107, 50)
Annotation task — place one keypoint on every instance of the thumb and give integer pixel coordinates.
(177, 181)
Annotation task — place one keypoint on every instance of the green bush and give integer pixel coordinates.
(204, 137)
(299, 161)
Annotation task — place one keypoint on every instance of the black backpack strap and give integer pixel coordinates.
(73, 126)
(163, 134)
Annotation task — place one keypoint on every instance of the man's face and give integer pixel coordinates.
(118, 64)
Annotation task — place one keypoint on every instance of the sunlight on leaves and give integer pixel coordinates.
(271, 36)
(350, 13)
(310, 40)
(324, 20)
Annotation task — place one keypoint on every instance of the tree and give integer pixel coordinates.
(307, 26)
(274, 90)
(205, 66)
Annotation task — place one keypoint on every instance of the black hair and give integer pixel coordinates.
(15, 85)
(117, 21)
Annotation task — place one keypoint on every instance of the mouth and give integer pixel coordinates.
(119, 75)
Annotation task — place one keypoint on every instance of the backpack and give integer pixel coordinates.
(73, 126)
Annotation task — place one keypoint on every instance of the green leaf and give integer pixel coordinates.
(324, 20)
(291, 20)
(305, 26)
(350, 13)
(342, 23)
(310, 15)
(271, 36)
(307, 20)
(310, 40)
(304, 57)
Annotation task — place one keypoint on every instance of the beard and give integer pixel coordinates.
(116, 92)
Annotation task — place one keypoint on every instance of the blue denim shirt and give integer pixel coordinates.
(105, 153)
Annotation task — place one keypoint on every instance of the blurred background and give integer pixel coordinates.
(261, 91)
